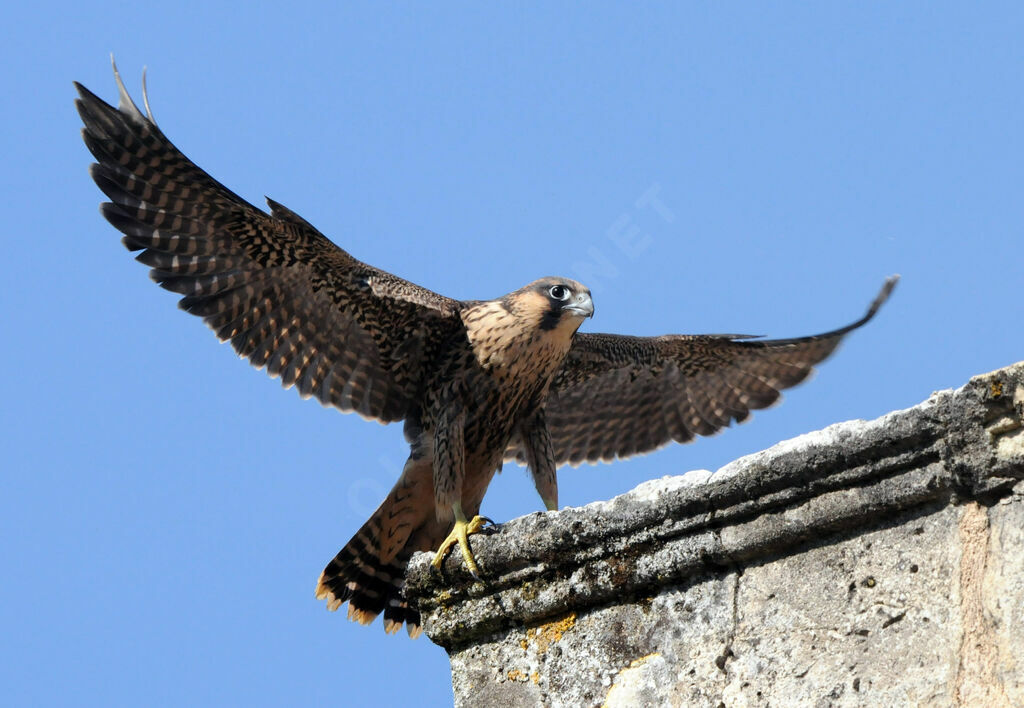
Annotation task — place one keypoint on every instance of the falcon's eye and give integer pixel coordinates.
(559, 292)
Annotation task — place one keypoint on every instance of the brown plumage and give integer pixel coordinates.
(476, 382)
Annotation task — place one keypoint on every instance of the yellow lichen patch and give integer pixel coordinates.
(545, 635)
(997, 389)
(516, 675)
(535, 677)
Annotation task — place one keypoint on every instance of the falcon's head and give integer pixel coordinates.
(536, 322)
(560, 302)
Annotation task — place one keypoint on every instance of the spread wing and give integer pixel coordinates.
(285, 297)
(617, 396)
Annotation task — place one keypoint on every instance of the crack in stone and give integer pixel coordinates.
(722, 660)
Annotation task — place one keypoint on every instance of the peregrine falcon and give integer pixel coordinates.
(476, 382)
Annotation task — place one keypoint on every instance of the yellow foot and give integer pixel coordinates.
(460, 535)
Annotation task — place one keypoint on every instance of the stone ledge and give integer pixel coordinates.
(957, 445)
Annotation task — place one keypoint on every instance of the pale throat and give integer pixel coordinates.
(513, 343)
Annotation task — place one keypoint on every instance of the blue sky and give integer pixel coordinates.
(166, 509)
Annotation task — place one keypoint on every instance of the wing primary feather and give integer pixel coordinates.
(125, 104)
(876, 305)
(145, 96)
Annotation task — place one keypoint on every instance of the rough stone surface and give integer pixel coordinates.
(869, 563)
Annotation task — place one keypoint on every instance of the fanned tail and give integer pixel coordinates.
(357, 576)
(369, 572)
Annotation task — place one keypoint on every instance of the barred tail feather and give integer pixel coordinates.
(356, 576)
(369, 572)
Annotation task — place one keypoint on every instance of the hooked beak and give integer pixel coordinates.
(581, 306)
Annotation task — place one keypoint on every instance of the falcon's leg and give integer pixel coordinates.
(540, 457)
(460, 535)
(449, 470)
